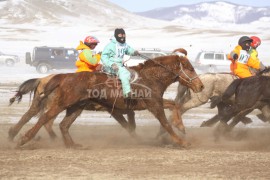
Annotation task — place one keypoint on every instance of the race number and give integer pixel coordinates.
(243, 57)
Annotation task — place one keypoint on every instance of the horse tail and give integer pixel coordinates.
(26, 87)
(229, 92)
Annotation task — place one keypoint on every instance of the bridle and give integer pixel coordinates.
(189, 81)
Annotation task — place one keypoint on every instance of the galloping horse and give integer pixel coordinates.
(238, 107)
(215, 85)
(37, 86)
(75, 89)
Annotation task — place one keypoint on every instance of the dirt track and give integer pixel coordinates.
(109, 153)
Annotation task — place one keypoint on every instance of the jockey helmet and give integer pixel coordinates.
(245, 42)
(256, 41)
(91, 40)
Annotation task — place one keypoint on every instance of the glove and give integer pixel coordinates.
(235, 57)
(99, 67)
(136, 53)
(115, 67)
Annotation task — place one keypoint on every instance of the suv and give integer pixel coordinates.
(212, 61)
(148, 53)
(8, 60)
(46, 58)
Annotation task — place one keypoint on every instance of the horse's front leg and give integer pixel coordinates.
(210, 122)
(159, 113)
(50, 114)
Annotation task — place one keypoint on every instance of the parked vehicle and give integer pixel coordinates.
(8, 60)
(211, 61)
(147, 53)
(47, 58)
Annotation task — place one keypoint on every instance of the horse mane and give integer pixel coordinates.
(178, 56)
(265, 71)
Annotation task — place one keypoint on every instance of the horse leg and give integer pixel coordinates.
(240, 117)
(131, 120)
(210, 122)
(265, 115)
(32, 111)
(44, 118)
(159, 113)
(71, 114)
(49, 129)
(176, 116)
(122, 121)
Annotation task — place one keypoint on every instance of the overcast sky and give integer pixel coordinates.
(144, 5)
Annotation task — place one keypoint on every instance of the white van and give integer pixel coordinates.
(211, 61)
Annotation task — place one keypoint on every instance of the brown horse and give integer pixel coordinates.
(155, 75)
(37, 85)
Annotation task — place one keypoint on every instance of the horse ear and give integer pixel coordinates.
(180, 51)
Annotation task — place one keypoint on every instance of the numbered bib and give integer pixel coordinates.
(243, 57)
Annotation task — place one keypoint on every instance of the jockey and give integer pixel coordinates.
(87, 61)
(112, 59)
(243, 59)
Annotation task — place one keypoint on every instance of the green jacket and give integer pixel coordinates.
(114, 53)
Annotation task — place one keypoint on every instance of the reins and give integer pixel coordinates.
(189, 81)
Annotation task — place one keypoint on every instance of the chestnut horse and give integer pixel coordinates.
(37, 85)
(155, 76)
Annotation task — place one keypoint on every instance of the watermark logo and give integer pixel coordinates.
(112, 88)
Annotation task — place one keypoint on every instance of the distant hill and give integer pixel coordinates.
(68, 13)
(210, 13)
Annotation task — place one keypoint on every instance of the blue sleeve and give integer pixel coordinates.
(130, 50)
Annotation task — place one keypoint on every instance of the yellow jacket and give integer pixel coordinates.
(246, 60)
(86, 61)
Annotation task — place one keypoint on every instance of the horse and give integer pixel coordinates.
(258, 98)
(36, 86)
(155, 75)
(215, 85)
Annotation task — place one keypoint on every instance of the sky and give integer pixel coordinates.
(144, 5)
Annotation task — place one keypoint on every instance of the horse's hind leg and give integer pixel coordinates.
(50, 114)
(32, 111)
(71, 114)
(130, 127)
(49, 129)
(131, 120)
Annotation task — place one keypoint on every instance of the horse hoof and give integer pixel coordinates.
(203, 124)
(186, 144)
(11, 134)
(22, 141)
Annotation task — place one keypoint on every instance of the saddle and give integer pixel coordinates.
(133, 74)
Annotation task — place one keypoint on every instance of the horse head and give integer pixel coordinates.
(187, 74)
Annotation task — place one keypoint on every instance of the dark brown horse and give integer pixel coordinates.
(155, 75)
(250, 93)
